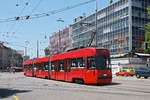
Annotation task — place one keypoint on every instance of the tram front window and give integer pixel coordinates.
(98, 62)
(102, 62)
(91, 62)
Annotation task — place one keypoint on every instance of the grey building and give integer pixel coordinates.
(120, 26)
(9, 57)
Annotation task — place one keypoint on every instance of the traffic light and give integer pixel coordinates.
(17, 18)
(27, 17)
(145, 45)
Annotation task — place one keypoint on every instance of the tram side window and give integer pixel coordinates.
(34, 67)
(30, 67)
(69, 67)
(53, 65)
(81, 62)
(38, 66)
(42, 66)
(46, 65)
(74, 63)
(91, 62)
(25, 67)
(61, 65)
(65, 65)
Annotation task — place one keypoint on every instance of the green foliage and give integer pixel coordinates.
(148, 9)
(147, 34)
(147, 50)
(111, 1)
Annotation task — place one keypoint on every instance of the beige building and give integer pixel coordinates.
(9, 57)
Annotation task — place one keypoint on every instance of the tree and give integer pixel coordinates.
(111, 1)
(147, 34)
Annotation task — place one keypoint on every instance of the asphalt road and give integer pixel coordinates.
(19, 87)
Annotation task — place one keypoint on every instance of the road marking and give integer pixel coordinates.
(15, 97)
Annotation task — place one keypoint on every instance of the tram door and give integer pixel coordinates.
(60, 75)
(53, 69)
(49, 68)
(32, 68)
(67, 70)
(56, 70)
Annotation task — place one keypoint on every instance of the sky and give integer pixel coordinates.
(25, 33)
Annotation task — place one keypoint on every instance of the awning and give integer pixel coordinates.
(143, 54)
(118, 55)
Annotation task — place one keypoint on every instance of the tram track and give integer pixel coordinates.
(73, 89)
(81, 88)
(131, 87)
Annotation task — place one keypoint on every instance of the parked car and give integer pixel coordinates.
(126, 73)
(142, 72)
(16, 69)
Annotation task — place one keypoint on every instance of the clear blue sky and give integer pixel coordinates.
(17, 32)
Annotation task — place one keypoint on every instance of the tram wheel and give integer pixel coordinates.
(79, 81)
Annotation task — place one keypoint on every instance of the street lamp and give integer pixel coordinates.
(96, 22)
(37, 49)
(26, 44)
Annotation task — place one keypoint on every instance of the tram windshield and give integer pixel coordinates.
(98, 62)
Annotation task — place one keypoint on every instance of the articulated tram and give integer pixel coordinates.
(87, 65)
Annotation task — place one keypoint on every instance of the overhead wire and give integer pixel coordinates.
(10, 19)
(19, 18)
(21, 12)
(33, 9)
(36, 6)
(49, 13)
(13, 25)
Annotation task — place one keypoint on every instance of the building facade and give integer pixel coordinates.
(9, 58)
(59, 42)
(120, 27)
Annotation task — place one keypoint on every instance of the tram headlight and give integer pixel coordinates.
(105, 74)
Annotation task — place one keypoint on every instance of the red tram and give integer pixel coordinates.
(87, 65)
(28, 68)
